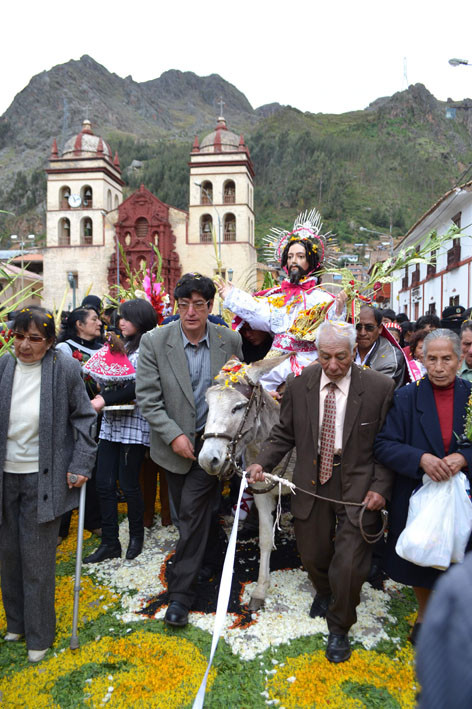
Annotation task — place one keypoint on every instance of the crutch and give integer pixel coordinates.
(74, 641)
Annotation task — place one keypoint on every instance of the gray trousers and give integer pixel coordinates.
(27, 562)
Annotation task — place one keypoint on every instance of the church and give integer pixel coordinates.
(87, 218)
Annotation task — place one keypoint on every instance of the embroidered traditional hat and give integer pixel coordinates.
(109, 367)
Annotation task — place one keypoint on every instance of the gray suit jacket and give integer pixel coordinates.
(369, 399)
(65, 419)
(164, 391)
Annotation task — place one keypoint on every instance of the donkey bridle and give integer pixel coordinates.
(253, 399)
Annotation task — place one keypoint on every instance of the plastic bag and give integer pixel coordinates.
(463, 517)
(438, 524)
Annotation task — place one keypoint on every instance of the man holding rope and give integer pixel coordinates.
(332, 414)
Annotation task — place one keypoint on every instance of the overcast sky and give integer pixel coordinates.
(316, 56)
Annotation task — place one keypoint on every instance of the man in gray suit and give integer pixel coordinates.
(177, 363)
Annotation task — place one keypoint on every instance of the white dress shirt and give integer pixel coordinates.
(341, 393)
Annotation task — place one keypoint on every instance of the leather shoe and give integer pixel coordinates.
(338, 648)
(176, 614)
(319, 606)
(135, 547)
(103, 552)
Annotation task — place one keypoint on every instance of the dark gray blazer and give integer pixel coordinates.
(65, 443)
(164, 391)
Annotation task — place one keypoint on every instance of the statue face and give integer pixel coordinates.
(297, 259)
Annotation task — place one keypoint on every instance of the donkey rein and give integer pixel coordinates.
(369, 538)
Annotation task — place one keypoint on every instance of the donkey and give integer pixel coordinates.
(240, 417)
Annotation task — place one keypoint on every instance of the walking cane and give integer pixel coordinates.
(74, 641)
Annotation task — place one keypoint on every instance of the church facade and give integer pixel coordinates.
(87, 219)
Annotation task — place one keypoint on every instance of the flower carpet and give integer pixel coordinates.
(128, 657)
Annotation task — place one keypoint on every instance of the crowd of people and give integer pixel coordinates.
(370, 407)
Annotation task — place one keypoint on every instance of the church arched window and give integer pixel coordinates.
(141, 227)
(109, 202)
(117, 201)
(229, 227)
(86, 231)
(63, 232)
(206, 192)
(229, 192)
(206, 227)
(87, 197)
(64, 194)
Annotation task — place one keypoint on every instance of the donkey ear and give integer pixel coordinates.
(257, 370)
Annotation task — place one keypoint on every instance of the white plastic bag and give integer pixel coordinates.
(428, 538)
(463, 517)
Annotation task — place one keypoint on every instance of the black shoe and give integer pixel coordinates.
(338, 648)
(319, 606)
(414, 633)
(176, 614)
(135, 547)
(103, 552)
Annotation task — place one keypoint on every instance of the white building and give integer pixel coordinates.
(422, 289)
(221, 202)
(84, 190)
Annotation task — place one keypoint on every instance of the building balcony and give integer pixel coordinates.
(229, 235)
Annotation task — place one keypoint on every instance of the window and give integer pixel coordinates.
(86, 232)
(64, 194)
(63, 232)
(229, 192)
(141, 227)
(457, 219)
(230, 227)
(109, 202)
(206, 228)
(206, 193)
(87, 197)
(432, 309)
(454, 300)
(117, 201)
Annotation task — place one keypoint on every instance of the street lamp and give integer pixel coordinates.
(73, 285)
(459, 62)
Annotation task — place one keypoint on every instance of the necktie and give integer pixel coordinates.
(328, 434)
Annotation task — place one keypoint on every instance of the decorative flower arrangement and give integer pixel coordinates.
(307, 322)
(465, 439)
(145, 283)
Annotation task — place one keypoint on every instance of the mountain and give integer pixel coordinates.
(376, 168)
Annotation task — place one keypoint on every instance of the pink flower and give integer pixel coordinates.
(156, 287)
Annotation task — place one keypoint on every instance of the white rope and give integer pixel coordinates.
(223, 595)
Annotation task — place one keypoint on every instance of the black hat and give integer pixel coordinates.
(92, 301)
(453, 312)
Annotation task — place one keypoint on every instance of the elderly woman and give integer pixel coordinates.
(419, 437)
(46, 453)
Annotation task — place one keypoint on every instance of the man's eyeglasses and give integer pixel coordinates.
(33, 339)
(197, 305)
(367, 327)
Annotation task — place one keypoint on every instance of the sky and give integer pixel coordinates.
(316, 56)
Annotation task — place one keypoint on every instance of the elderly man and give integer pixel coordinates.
(374, 350)
(332, 413)
(465, 371)
(177, 364)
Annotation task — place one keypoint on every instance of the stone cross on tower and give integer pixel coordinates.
(221, 104)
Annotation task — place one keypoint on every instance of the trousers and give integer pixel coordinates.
(334, 554)
(27, 562)
(122, 462)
